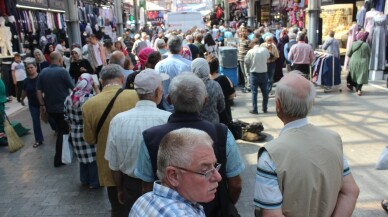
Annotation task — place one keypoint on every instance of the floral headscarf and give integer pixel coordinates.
(186, 53)
(84, 86)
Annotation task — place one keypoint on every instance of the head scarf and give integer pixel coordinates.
(79, 52)
(84, 86)
(42, 57)
(362, 36)
(186, 53)
(143, 55)
(201, 69)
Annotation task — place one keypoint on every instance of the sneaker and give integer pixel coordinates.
(253, 112)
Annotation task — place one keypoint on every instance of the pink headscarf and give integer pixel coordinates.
(362, 36)
(143, 55)
(84, 86)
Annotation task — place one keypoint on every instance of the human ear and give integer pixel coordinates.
(172, 176)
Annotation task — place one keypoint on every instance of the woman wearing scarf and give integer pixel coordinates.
(40, 60)
(359, 54)
(86, 153)
(215, 103)
(78, 65)
(143, 55)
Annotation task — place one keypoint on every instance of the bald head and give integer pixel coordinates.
(118, 58)
(56, 58)
(295, 95)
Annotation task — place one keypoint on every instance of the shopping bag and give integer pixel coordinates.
(382, 163)
(67, 150)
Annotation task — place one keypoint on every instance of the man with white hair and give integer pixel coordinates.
(301, 55)
(117, 57)
(271, 62)
(303, 172)
(125, 134)
(188, 172)
(138, 45)
(287, 48)
(193, 49)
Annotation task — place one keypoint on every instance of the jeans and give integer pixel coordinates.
(245, 73)
(62, 128)
(118, 210)
(35, 115)
(271, 72)
(88, 174)
(259, 80)
(19, 88)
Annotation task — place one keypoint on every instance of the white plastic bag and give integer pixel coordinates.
(382, 163)
(67, 150)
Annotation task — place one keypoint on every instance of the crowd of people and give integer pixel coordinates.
(151, 114)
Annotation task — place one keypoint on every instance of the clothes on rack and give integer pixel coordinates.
(377, 57)
(324, 66)
(351, 37)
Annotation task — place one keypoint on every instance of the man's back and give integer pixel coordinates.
(257, 59)
(55, 83)
(301, 53)
(310, 180)
(92, 111)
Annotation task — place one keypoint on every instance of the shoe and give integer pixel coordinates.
(265, 111)
(249, 90)
(58, 164)
(244, 90)
(253, 112)
(349, 86)
(36, 144)
(359, 92)
(384, 204)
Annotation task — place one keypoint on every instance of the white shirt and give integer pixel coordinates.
(256, 59)
(20, 72)
(97, 54)
(125, 135)
(61, 49)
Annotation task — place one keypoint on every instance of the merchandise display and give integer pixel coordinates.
(337, 18)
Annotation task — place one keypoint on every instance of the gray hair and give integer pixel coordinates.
(187, 93)
(292, 35)
(118, 58)
(174, 44)
(300, 36)
(176, 148)
(111, 71)
(296, 95)
(189, 38)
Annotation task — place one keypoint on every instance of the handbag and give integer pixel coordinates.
(106, 112)
(67, 150)
(382, 163)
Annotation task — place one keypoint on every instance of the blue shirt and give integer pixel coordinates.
(234, 165)
(267, 193)
(173, 65)
(164, 201)
(228, 34)
(286, 49)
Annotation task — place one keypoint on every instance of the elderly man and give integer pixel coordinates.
(125, 135)
(302, 172)
(188, 95)
(301, 55)
(287, 48)
(96, 128)
(188, 173)
(193, 48)
(271, 62)
(118, 58)
(54, 83)
(331, 45)
(173, 65)
(256, 62)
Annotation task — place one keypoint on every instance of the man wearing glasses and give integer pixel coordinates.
(187, 93)
(188, 173)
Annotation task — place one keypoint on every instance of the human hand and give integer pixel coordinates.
(120, 196)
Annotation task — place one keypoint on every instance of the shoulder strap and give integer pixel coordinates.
(106, 112)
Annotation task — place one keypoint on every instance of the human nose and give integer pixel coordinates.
(216, 176)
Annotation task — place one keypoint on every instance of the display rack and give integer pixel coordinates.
(333, 87)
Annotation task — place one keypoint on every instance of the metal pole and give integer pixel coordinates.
(226, 12)
(72, 22)
(314, 8)
(136, 15)
(251, 13)
(119, 12)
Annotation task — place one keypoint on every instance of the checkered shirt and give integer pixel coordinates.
(86, 153)
(164, 201)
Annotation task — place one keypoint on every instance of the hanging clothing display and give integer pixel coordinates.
(361, 17)
(368, 23)
(377, 58)
(351, 37)
(379, 5)
(325, 67)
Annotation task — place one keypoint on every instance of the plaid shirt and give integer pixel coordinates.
(163, 201)
(85, 152)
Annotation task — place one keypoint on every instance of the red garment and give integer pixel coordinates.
(3, 10)
(219, 13)
(143, 56)
(47, 56)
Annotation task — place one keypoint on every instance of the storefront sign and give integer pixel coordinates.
(33, 3)
(327, 2)
(57, 4)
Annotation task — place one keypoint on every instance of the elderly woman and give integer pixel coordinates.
(40, 60)
(29, 91)
(215, 101)
(86, 153)
(359, 54)
(78, 65)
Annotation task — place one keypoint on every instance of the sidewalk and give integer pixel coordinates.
(14, 106)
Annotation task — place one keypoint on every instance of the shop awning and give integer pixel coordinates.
(154, 7)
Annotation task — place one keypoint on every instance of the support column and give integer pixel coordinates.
(136, 14)
(72, 22)
(119, 13)
(251, 13)
(226, 12)
(314, 9)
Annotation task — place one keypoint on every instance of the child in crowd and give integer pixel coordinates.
(18, 75)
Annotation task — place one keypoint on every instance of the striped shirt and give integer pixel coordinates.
(163, 201)
(267, 193)
(125, 135)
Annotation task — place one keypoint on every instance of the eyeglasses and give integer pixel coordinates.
(206, 174)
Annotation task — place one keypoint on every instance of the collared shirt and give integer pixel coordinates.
(173, 65)
(164, 201)
(331, 45)
(234, 165)
(267, 192)
(256, 59)
(125, 134)
(301, 53)
(287, 49)
(272, 50)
